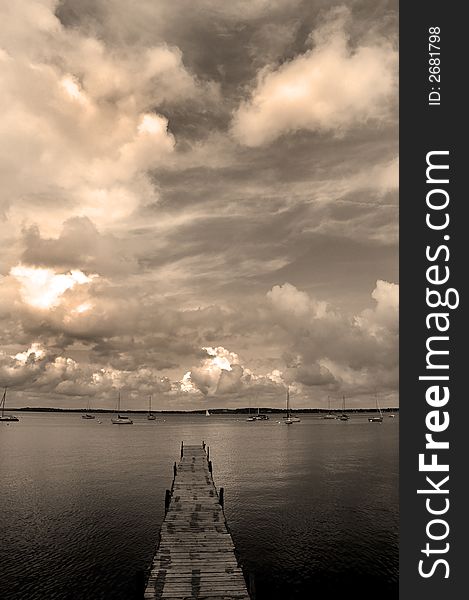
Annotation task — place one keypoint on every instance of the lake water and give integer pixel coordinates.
(312, 508)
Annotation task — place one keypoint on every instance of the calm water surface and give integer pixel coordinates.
(313, 508)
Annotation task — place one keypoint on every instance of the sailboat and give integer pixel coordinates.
(207, 413)
(343, 416)
(119, 419)
(250, 417)
(261, 416)
(289, 419)
(329, 414)
(150, 415)
(376, 419)
(87, 415)
(3, 416)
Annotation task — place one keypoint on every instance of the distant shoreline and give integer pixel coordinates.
(213, 411)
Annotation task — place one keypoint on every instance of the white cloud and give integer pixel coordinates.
(330, 88)
(36, 351)
(22, 368)
(335, 350)
(43, 288)
(287, 298)
(79, 126)
(384, 317)
(207, 376)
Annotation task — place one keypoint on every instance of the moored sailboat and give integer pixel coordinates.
(250, 418)
(150, 415)
(261, 416)
(87, 415)
(3, 416)
(376, 419)
(289, 419)
(120, 419)
(343, 416)
(329, 414)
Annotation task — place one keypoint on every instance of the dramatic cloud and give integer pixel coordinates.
(42, 288)
(202, 209)
(220, 371)
(352, 353)
(80, 124)
(316, 346)
(332, 87)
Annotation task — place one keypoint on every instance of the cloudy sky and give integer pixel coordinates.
(198, 201)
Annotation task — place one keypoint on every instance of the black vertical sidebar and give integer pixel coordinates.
(425, 128)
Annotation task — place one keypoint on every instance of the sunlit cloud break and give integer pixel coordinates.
(36, 350)
(44, 288)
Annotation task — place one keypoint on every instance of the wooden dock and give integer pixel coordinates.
(195, 557)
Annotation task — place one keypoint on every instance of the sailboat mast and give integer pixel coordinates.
(288, 403)
(378, 406)
(3, 401)
(149, 404)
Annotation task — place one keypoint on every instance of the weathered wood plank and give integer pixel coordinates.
(196, 554)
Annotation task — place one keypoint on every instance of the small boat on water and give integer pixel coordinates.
(87, 415)
(344, 416)
(261, 416)
(3, 416)
(207, 413)
(289, 419)
(150, 415)
(376, 419)
(329, 414)
(120, 419)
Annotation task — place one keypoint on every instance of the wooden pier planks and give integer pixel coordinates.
(195, 558)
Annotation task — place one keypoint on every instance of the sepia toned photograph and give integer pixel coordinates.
(199, 225)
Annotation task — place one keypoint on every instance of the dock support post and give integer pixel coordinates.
(175, 470)
(167, 500)
(139, 584)
(203, 444)
(252, 586)
(221, 497)
(182, 449)
(208, 452)
(210, 467)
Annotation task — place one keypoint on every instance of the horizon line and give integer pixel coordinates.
(199, 410)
